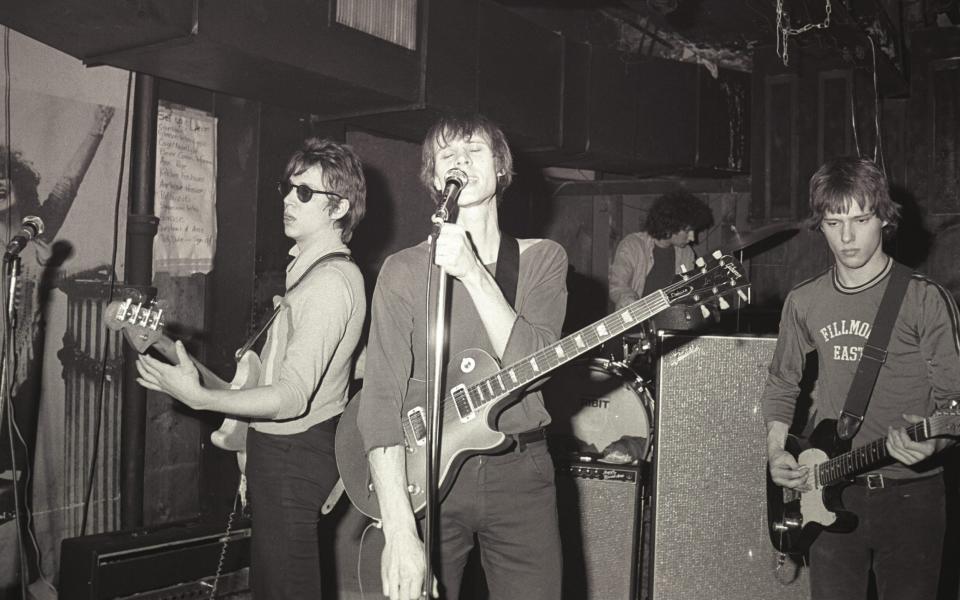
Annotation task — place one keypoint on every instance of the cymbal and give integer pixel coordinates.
(775, 233)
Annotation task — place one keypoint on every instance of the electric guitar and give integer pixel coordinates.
(142, 327)
(795, 517)
(478, 390)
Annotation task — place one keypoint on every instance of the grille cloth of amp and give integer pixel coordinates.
(709, 526)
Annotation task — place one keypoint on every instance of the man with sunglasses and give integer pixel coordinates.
(303, 384)
(507, 500)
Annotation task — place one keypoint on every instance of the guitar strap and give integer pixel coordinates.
(256, 336)
(508, 267)
(874, 353)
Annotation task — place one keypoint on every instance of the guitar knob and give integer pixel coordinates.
(413, 489)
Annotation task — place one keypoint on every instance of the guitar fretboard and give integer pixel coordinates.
(520, 373)
(863, 458)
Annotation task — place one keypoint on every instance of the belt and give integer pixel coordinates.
(524, 439)
(876, 481)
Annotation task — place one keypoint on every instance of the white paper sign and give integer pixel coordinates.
(186, 190)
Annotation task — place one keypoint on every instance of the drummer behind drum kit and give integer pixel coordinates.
(611, 419)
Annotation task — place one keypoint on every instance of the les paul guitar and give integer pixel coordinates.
(477, 389)
(142, 327)
(795, 518)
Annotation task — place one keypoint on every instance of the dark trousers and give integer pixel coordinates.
(509, 501)
(288, 478)
(899, 536)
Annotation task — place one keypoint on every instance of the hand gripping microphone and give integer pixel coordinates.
(454, 181)
(30, 228)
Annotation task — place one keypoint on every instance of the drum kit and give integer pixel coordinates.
(611, 417)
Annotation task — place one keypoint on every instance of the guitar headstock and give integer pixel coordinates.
(142, 326)
(944, 422)
(715, 277)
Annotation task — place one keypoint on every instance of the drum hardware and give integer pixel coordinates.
(601, 409)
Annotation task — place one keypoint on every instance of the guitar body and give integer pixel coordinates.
(795, 517)
(459, 439)
(477, 388)
(232, 434)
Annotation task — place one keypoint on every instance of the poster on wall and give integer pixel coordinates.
(186, 190)
(63, 164)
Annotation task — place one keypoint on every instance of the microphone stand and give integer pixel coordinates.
(441, 216)
(12, 263)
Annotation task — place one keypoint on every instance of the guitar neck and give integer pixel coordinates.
(166, 347)
(863, 458)
(538, 364)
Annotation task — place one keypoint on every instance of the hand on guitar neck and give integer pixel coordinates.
(183, 377)
(806, 477)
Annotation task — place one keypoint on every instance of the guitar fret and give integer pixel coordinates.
(503, 388)
(513, 376)
(490, 387)
(533, 364)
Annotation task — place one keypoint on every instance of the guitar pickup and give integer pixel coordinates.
(461, 399)
(417, 419)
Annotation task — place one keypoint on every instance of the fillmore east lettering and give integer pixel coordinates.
(845, 327)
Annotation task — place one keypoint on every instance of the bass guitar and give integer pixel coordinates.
(795, 517)
(477, 389)
(142, 328)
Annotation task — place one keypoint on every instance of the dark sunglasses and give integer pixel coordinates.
(304, 192)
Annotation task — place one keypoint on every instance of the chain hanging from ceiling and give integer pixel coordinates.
(784, 31)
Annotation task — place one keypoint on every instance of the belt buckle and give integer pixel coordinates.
(875, 481)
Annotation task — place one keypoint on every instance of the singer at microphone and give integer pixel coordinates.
(30, 228)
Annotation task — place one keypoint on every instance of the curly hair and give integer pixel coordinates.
(23, 178)
(841, 181)
(673, 212)
(455, 126)
(342, 173)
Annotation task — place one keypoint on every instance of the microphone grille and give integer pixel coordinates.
(34, 222)
(458, 176)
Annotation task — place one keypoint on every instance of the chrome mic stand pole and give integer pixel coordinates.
(12, 264)
(441, 216)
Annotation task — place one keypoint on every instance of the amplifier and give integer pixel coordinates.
(709, 534)
(177, 556)
(599, 507)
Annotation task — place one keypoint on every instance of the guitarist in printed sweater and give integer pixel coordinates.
(307, 357)
(899, 506)
(508, 499)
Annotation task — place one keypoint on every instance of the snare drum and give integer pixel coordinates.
(593, 403)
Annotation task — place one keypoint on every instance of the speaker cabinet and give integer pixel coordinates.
(709, 527)
(599, 507)
(171, 561)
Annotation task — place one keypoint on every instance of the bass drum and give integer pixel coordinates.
(598, 402)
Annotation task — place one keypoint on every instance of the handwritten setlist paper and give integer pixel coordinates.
(186, 190)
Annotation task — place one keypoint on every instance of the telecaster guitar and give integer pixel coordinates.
(796, 518)
(478, 390)
(142, 327)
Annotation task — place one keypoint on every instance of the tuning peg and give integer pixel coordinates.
(717, 254)
(700, 262)
(724, 305)
(683, 268)
(743, 295)
(705, 311)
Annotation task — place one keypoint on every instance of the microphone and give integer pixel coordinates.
(30, 228)
(453, 182)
